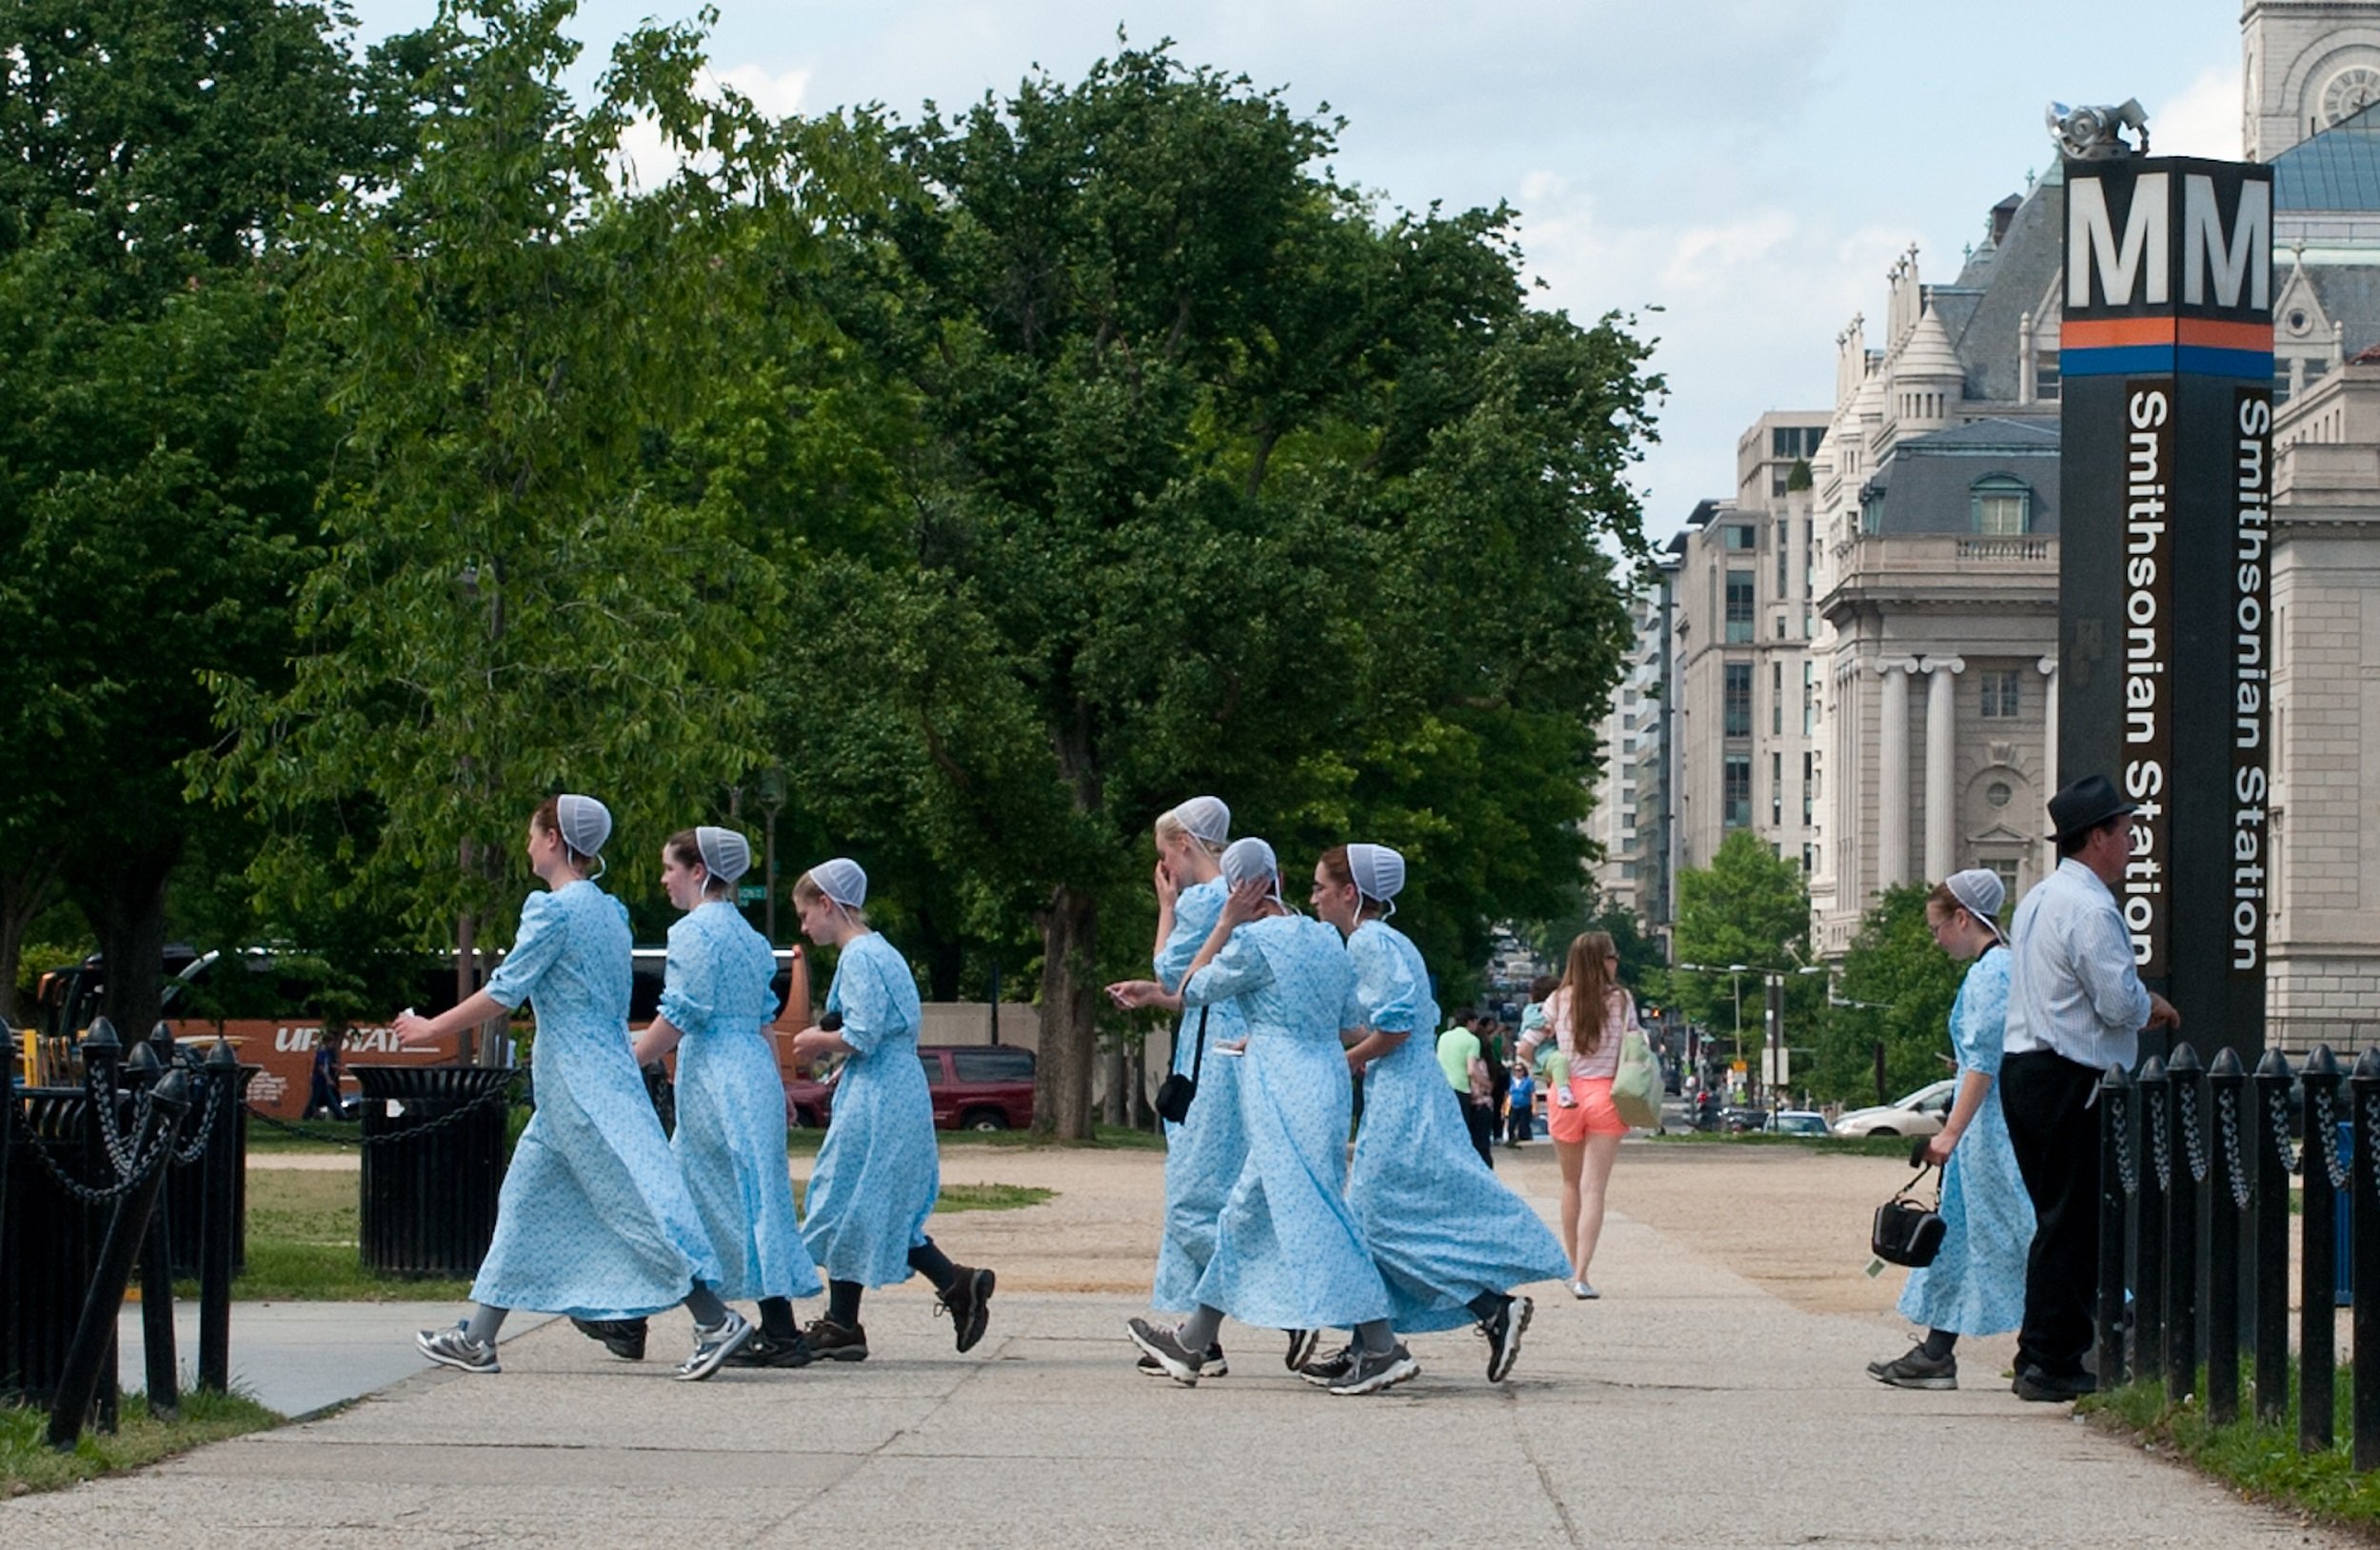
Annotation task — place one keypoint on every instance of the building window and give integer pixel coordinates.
(1776, 790)
(1808, 697)
(1784, 442)
(1784, 559)
(2002, 506)
(2045, 376)
(1777, 698)
(1998, 793)
(1735, 791)
(1999, 692)
(1871, 511)
(1739, 607)
(1809, 860)
(1740, 536)
(1776, 483)
(2005, 868)
(1781, 626)
(1809, 784)
(1735, 720)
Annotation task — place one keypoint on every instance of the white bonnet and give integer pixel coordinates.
(843, 880)
(725, 854)
(1379, 872)
(585, 824)
(1205, 817)
(1251, 860)
(1980, 892)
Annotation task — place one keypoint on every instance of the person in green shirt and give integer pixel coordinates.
(1460, 1056)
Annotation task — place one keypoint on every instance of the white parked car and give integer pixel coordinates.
(1919, 1114)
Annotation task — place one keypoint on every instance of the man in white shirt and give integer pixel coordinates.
(2076, 1006)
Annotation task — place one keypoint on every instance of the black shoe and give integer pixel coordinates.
(1378, 1370)
(622, 1337)
(2053, 1388)
(1301, 1344)
(766, 1350)
(1503, 1333)
(1323, 1372)
(831, 1342)
(1214, 1366)
(1164, 1347)
(968, 1303)
(1918, 1370)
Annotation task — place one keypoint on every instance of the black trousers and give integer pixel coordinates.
(1481, 1120)
(2055, 1135)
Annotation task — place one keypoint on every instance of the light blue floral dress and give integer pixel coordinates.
(594, 1218)
(1203, 1153)
(1288, 1253)
(1442, 1230)
(731, 1103)
(1977, 1284)
(879, 1172)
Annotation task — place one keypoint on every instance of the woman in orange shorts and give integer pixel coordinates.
(1586, 1017)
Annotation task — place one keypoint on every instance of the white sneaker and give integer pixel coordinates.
(1583, 1292)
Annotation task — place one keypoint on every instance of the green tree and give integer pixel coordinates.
(160, 438)
(527, 586)
(1220, 483)
(1750, 906)
(1910, 982)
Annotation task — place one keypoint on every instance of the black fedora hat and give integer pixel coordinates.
(2086, 805)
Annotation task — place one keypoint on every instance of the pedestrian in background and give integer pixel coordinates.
(1586, 1017)
(2076, 1006)
(1459, 1058)
(1976, 1283)
(1519, 1100)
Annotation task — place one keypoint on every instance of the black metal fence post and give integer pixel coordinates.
(94, 1333)
(2228, 1198)
(2365, 1195)
(220, 1192)
(2119, 1178)
(159, 1360)
(2186, 1080)
(2271, 1132)
(2156, 1144)
(2317, 1269)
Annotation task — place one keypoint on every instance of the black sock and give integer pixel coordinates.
(843, 1304)
(1937, 1344)
(1488, 1304)
(777, 1318)
(933, 1264)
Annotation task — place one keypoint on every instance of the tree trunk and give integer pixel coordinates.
(24, 893)
(124, 902)
(1061, 1077)
(1113, 1077)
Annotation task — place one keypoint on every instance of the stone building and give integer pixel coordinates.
(1628, 823)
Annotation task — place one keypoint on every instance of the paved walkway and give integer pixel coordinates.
(1688, 1408)
(298, 1357)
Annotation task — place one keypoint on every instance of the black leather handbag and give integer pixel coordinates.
(1174, 1092)
(1909, 1231)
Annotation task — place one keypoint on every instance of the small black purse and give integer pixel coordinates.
(1174, 1092)
(1908, 1231)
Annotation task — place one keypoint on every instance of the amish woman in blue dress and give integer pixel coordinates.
(1203, 1153)
(1976, 1283)
(730, 1140)
(879, 1171)
(1288, 1253)
(594, 1219)
(1450, 1241)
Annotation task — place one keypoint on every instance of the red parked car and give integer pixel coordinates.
(973, 1088)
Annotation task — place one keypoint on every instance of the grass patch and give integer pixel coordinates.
(1896, 1146)
(2255, 1460)
(1103, 1138)
(990, 1197)
(302, 1234)
(28, 1464)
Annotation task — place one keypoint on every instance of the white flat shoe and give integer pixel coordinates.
(1583, 1292)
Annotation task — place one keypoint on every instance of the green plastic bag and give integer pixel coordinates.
(1637, 1086)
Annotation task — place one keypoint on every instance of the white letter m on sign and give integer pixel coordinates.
(2140, 256)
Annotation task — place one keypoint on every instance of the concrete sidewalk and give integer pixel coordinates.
(298, 1357)
(1687, 1408)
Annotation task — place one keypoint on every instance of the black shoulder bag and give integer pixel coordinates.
(1174, 1092)
(1908, 1231)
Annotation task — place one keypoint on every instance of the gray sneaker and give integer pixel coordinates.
(454, 1348)
(714, 1345)
(1215, 1364)
(1324, 1371)
(1377, 1370)
(1918, 1370)
(1164, 1347)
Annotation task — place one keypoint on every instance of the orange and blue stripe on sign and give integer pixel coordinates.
(2163, 346)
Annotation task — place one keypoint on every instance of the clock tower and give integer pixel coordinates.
(2307, 64)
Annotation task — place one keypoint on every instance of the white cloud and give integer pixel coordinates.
(647, 160)
(2202, 119)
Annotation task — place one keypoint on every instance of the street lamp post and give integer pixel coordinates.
(1770, 1077)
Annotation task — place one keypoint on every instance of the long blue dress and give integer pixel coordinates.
(879, 1172)
(594, 1218)
(1288, 1253)
(1203, 1153)
(1976, 1283)
(731, 1103)
(1442, 1230)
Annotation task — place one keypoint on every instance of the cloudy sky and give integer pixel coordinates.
(1750, 168)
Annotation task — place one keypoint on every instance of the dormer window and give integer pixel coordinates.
(2002, 506)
